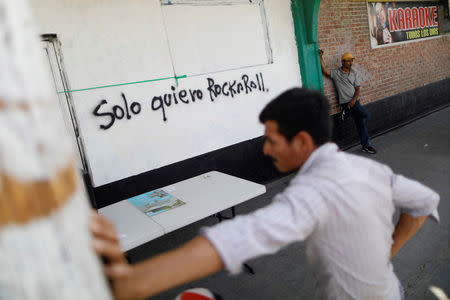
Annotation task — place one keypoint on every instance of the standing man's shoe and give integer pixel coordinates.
(369, 149)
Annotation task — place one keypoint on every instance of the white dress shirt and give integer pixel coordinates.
(342, 205)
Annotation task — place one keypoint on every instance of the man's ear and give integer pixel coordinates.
(304, 140)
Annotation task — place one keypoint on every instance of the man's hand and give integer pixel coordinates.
(406, 228)
(351, 103)
(116, 267)
(355, 97)
(322, 64)
(387, 37)
(194, 260)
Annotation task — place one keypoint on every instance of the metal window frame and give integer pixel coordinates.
(52, 46)
(209, 2)
(264, 23)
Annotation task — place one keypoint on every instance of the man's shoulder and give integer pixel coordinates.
(359, 162)
(353, 71)
(344, 162)
(335, 70)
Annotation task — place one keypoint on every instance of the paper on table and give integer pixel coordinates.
(155, 202)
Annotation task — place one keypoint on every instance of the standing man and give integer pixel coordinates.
(347, 85)
(341, 204)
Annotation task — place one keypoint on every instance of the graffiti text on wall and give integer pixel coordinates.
(214, 90)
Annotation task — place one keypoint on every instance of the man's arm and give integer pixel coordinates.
(406, 228)
(322, 64)
(194, 260)
(417, 202)
(355, 97)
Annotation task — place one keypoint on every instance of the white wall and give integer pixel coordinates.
(108, 42)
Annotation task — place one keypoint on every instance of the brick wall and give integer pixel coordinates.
(343, 27)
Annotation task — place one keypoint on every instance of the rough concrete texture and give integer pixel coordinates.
(419, 150)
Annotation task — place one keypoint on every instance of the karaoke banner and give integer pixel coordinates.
(393, 22)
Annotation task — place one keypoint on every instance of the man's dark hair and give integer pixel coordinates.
(300, 109)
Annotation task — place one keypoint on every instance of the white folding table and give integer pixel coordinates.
(204, 195)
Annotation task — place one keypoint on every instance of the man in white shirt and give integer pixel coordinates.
(341, 204)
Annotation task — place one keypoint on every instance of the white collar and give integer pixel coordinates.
(324, 150)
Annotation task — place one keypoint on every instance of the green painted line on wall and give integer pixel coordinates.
(305, 16)
(126, 83)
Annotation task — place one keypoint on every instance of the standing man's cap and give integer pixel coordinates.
(347, 56)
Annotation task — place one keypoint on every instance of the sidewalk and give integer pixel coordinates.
(419, 150)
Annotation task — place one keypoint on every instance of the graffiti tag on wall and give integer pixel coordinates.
(214, 90)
